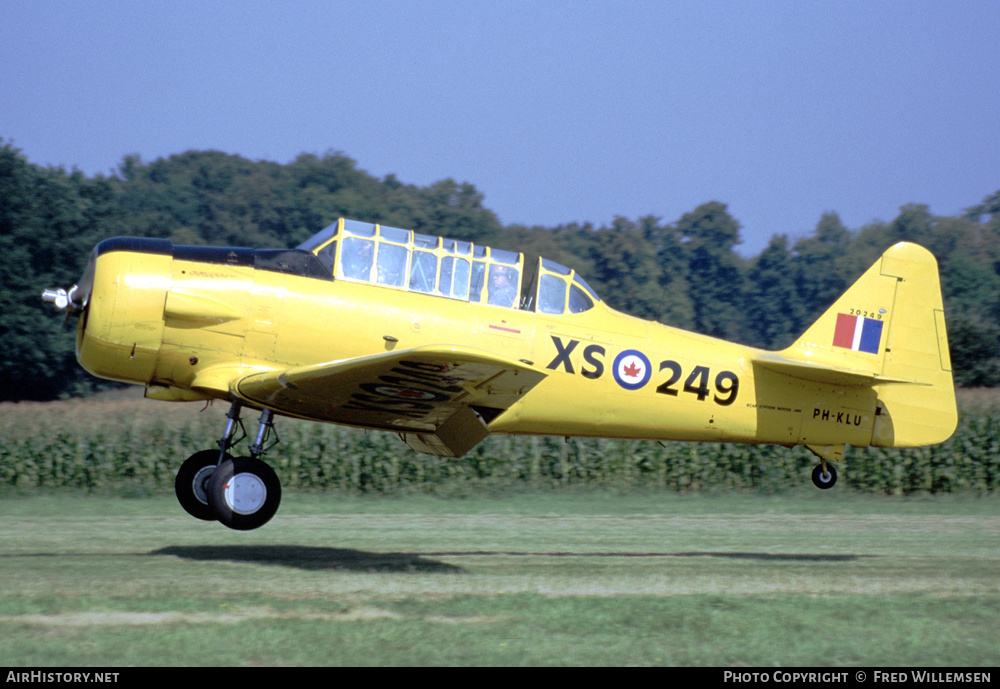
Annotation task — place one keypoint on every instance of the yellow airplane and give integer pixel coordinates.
(446, 342)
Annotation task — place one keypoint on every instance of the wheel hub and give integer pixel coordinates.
(199, 485)
(245, 493)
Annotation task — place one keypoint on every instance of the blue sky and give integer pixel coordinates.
(557, 111)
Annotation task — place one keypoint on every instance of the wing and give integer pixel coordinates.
(438, 398)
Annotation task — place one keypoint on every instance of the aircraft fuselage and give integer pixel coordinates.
(178, 319)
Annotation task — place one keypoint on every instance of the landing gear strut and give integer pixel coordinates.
(825, 475)
(243, 492)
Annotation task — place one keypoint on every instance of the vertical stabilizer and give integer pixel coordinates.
(890, 325)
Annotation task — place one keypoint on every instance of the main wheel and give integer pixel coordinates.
(824, 479)
(191, 484)
(244, 493)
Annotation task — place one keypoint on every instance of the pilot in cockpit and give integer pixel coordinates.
(503, 285)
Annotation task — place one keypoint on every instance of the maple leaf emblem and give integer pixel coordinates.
(632, 370)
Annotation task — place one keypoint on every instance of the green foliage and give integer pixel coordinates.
(127, 445)
(974, 352)
(49, 221)
(715, 272)
(684, 273)
(771, 305)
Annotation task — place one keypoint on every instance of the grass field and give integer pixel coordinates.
(561, 578)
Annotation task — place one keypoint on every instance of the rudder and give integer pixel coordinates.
(916, 348)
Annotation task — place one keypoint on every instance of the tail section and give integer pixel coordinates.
(888, 331)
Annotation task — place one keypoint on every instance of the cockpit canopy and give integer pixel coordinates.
(402, 259)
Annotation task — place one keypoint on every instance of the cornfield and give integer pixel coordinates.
(117, 443)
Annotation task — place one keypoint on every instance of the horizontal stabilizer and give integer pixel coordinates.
(826, 373)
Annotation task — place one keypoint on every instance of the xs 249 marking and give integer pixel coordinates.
(633, 375)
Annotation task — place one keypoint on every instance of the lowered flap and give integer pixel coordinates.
(415, 391)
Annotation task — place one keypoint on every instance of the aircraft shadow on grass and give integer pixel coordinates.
(319, 558)
(313, 558)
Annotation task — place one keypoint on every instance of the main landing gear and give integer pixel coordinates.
(242, 493)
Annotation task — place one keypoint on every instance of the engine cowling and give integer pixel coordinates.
(121, 327)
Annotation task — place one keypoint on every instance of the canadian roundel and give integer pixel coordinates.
(631, 369)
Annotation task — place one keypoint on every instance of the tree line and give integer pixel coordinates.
(685, 273)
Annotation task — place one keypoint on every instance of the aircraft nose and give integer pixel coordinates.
(74, 300)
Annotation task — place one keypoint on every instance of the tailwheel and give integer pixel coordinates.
(824, 476)
(244, 493)
(191, 484)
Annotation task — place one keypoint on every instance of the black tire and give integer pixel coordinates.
(823, 479)
(192, 482)
(244, 493)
